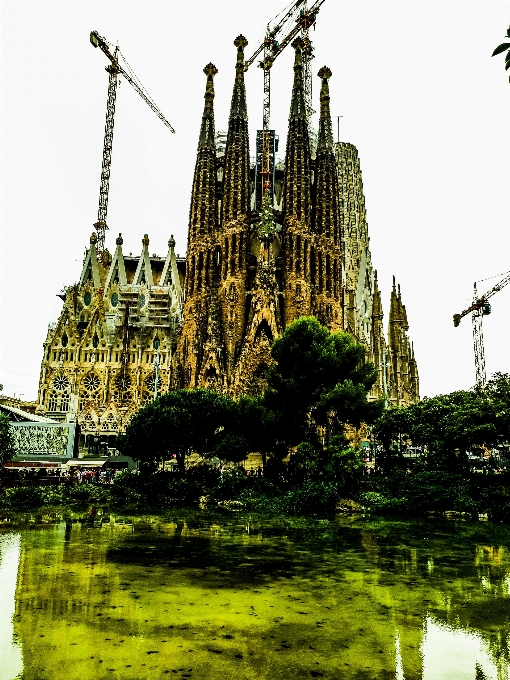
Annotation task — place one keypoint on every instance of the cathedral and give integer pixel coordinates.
(134, 327)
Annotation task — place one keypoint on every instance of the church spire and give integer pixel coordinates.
(207, 129)
(297, 106)
(203, 209)
(325, 140)
(297, 188)
(238, 104)
(236, 179)
(327, 201)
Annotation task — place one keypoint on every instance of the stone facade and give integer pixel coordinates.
(122, 317)
(306, 252)
(248, 273)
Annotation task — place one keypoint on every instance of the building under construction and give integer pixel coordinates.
(258, 257)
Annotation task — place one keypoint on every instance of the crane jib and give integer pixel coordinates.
(114, 70)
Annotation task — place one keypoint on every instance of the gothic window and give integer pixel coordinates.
(65, 340)
(313, 267)
(95, 341)
(53, 401)
(226, 258)
(200, 268)
(91, 382)
(87, 299)
(54, 356)
(328, 273)
(217, 263)
(207, 275)
(114, 300)
(64, 403)
(142, 299)
(156, 343)
(61, 383)
(240, 250)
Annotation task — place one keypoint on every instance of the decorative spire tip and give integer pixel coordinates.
(325, 73)
(210, 69)
(240, 41)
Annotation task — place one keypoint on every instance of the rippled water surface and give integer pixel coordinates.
(209, 597)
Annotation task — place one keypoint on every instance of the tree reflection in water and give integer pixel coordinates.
(348, 598)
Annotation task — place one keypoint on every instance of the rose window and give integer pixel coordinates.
(91, 382)
(61, 383)
(123, 382)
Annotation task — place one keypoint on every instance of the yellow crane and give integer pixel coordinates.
(480, 307)
(298, 18)
(114, 69)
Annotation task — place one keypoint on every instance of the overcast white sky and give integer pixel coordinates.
(420, 96)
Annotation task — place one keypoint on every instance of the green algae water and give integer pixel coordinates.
(237, 596)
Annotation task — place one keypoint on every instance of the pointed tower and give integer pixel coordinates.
(299, 255)
(235, 219)
(402, 370)
(202, 246)
(235, 202)
(326, 284)
(377, 341)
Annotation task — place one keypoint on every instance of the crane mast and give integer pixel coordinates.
(100, 226)
(479, 308)
(271, 48)
(114, 69)
(476, 319)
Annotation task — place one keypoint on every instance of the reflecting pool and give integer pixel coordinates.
(238, 596)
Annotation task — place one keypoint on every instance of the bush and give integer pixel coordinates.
(24, 497)
(312, 498)
(420, 492)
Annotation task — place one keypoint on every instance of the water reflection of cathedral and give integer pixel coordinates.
(254, 264)
(402, 613)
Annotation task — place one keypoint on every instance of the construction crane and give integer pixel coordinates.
(114, 69)
(480, 308)
(300, 18)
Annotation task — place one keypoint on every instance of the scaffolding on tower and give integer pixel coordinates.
(296, 19)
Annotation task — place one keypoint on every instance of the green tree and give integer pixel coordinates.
(497, 392)
(257, 426)
(318, 384)
(448, 426)
(180, 423)
(502, 48)
(7, 450)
